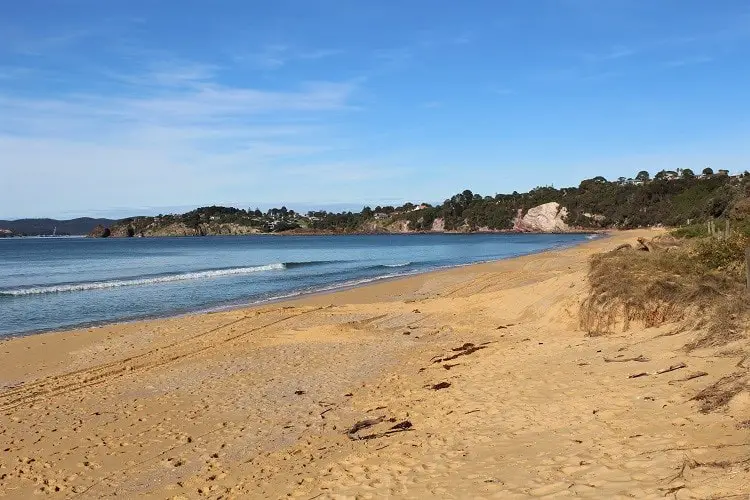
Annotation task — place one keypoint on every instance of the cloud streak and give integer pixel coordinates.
(276, 56)
(688, 61)
(169, 132)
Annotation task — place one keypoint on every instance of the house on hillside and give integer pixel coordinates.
(629, 181)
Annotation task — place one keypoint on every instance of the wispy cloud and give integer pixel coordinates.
(275, 56)
(429, 39)
(319, 54)
(169, 73)
(575, 74)
(396, 58)
(14, 72)
(688, 61)
(462, 39)
(344, 172)
(20, 42)
(614, 53)
(170, 131)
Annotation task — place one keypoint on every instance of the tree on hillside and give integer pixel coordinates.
(708, 171)
(585, 184)
(642, 176)
(687, 173)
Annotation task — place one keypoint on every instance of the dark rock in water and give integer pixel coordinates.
(100, 232)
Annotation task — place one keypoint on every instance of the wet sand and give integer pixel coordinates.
(466, 383)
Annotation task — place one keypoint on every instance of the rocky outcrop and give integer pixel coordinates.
(438, 225)
(6, 233)
(122, 231)
(547, 218)
(140, 229)
(400, 226)
(100, 232)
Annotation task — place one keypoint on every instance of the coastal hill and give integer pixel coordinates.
(671, 198)
(46, 227)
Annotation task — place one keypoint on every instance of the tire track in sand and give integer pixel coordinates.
(87, 377)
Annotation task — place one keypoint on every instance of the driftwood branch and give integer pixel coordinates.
(366, 424)
(690, 377)
(641, 359)
(363, 424)
(644, 245)
(671, 368)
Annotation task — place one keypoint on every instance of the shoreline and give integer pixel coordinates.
(468, 382)
(291, 296)
(292, 232)
(377, 291)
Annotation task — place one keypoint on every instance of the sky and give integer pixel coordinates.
(125, 107)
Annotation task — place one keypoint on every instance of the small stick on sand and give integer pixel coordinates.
(636, 375)
(690, 377)
(363, 424)
(437, 387)
(640, 358)
(671, 368)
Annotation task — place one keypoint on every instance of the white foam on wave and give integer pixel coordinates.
(96, 285)
(402, 264)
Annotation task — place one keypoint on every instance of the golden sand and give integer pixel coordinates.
(477, 383)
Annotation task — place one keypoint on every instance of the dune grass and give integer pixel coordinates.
(696, 284)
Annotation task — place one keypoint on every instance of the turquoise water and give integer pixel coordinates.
(55, 283)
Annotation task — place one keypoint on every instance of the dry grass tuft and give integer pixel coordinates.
(721, 392)
(696, 284)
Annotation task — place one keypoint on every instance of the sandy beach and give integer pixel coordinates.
(473, 382)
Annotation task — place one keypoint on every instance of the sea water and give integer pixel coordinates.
(55, 283)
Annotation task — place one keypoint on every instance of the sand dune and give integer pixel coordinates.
(466, 383)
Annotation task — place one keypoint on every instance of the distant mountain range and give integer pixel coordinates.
(37, 227)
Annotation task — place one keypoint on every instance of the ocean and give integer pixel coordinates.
(57, 283)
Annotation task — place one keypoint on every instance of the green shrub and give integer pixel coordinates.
(720, 253)
(691, 231)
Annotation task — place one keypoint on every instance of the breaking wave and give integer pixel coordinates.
(146, 280)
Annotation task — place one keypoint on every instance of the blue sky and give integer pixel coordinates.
(121, 107)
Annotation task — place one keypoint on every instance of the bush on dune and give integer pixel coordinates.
(696, 284)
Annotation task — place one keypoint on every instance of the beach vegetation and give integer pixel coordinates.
(695, 284)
